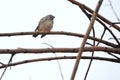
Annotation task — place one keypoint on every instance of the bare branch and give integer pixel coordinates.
(109, 31)
(98, 15)
(58, 50)
(60, 58)
(85, 39)
(61, 33)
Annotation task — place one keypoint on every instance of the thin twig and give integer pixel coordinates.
(101, 36)
(6, 67)
(113, 55)
(85, 12)
(93, 54)
(116, 23)
(90, 63)
(113, 38)
(1, 63)
(98, 15)
(89, 17)
(114, 10)
(57, 61)
(109, 31)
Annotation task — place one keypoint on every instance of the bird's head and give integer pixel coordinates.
(51, 17)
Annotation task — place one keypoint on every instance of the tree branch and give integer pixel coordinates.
(58, 50)
(98, 15)
(60, 33)
(80, 51)
(56, 58)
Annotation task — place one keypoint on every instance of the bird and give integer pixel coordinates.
(45, 25)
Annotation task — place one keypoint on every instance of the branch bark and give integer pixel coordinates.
(59, 58)
(58, 50)
(60, 33)
(85, 39)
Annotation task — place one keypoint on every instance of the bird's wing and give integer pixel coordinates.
(36, 28)
(41, 21)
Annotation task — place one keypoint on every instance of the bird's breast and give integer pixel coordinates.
(46, 26)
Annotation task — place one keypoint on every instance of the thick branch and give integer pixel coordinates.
(58, 50)
(60, 33)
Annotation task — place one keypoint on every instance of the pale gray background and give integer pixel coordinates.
(24, 15)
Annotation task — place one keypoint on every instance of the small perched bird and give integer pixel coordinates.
(45, 25)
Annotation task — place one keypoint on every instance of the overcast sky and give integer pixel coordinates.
(24, 15)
